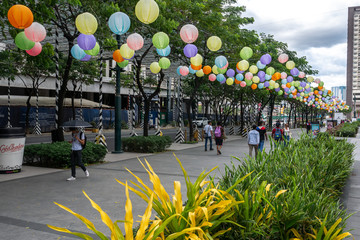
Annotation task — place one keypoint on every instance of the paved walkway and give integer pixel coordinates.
(26, 203)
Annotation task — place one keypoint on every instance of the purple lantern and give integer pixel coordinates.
(262, 79)
(303, 84)
(237, 70)
(261, 74)
(86, 58)
(190, 50)
(277, 89)
(298, 94)
(266, 84)
(265, 59)
(290, 79)
(230, 73)
(86, 42)
(320, 92)
(294, 72)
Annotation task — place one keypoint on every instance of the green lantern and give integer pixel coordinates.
(222, 71)
(248, 82)
(160, 40)
(270, 71)
(94, 51)
(123, 63)
(280, 92)
(23, 42)
(164, 63)
(246, 53)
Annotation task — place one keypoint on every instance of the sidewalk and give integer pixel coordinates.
(26, 204)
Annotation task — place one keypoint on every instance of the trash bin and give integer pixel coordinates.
(12, 143)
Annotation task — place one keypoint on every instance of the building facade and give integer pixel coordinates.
(339, 91)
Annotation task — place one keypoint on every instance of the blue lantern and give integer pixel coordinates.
(164, 52)
(77, 52)
(119, 23)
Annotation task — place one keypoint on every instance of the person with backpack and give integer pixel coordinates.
(277, 133)
(208, 130)
(219, 137)
(253, 141)
(78, 142)
(262, 131)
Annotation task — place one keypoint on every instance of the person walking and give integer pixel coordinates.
(253, 141)
(208, 130)
(262, 131)
(77, 141)
(219, 137)
(277, 133)
(287, 134)
(308, 127)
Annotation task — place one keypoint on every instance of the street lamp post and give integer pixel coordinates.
(354, 106)
(118, 106)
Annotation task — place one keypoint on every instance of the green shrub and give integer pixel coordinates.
(57, 155)
(313, 171)
(348, 130)
(124, 125)
(148, 144)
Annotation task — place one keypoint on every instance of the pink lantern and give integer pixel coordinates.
(249, 76)
(283, 86)
(301, 75)
(184, 71)
(243, 84)
(36, 50)
(226, 66)
(36, 32)
(283, 58)
(283, 75)
(135, 41)
(189, 33)
(212, 77)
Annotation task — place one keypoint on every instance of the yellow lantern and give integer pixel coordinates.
(147, 11)
(253, 69)
(126, 52)
(215, 69)
(155, 67)
(197, 60)
(243, 65)
(230, 81)
(290, 65)
(214, 43)
(200, 73)
(86, 23)
(256, 79)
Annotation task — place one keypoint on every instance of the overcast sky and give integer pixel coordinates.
(316, 29)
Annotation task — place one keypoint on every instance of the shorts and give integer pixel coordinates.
(219, 141)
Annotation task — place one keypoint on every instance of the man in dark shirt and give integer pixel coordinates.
(308, 127)
(262, 131)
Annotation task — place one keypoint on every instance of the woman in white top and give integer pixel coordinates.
(287, 134)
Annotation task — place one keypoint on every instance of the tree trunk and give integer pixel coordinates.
(146, 117)
(272, 104)
(27, 121)
(241, 112)
(188, 111)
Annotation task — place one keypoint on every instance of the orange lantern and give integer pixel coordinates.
(207, 70)
(237, 81)
(316, 92)
(20, 16)
(316, 99)
(288, 85)
(117, 56)
(320, 87)
(196, 67)
(254, 86)
(276, 76)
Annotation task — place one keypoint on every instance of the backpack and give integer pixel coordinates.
(217, 132)
(85, 138)
(277, 134)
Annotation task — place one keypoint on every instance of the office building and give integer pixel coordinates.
(339, 91)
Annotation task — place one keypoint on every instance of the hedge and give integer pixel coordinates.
(57, 155)
(148, 144)
(348, 130)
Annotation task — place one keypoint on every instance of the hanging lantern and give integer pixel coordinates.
(86, 58)
(253, 69)
(86, 23)
(36, 50)
(123, 63)
(246, 53)
(147, 11)
(207, 70)
(164, 52)
(164, 63)
(230, 73)
(196, 68)
(20, 16)
(220, 61)
(126, 52)
(77, 52)
(270, 71)
(290, 65)
(189, 33)
(119, 23)
(243, 65)
(214, 43)
(283, 58)
(215, 69)
(94, 51)
(265, 59)
(23, 42)
(230, 81)
(160, 40)
(190, 50)
(135, 41)
(212, 77)
(196, 60)
(117, 56)
(155, 67)
(184, 71)
(86, 42)
(200, 73)
(191, 70)
(36, 32)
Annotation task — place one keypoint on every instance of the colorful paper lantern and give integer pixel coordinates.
(253, 69)
(86, 58)
(243, 84)
(86, 42)
(256, 79)
(239, 77)
(147, 11)
(214, 43)
(249, 76)
(126, 52)
(276, 76)
(86, 23)
(155, 67)
(230, 81)
(36, 50)
(23, 42)
(270, 71)
(222, 70)
(253, 86)
(243, 65)
(283, 75)
(290, 65)
(283, 58)
(117, 56)
(160, 40)
(295, 72)
(190, 50)
(212, 77)
(178, 70)
(246, 53)
(94, 51)
(77, 52)
(164, 63)
(119, 23)
(200, 73)
(260, 65)
(184, 71)
(230, 73)
(197, 60)
(265, 59)
(164, 52)
(123, 63)
(220, 78)
(191, 70)
(215, 69)
(220, 61)
(135, 41)
(207, 70)
(36, 32)
(189, 33)
(20, 16)
(196, 67)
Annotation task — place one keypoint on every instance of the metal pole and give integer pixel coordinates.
(118, 106)
(168, 100)
(354, 106)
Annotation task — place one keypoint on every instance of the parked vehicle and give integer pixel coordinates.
(201, 122)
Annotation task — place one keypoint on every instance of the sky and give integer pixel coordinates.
(316, 29)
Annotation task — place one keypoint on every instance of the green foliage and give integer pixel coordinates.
(348, 130)
(148, 144)
(57, 155)
(124, 125)
(313, 171)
